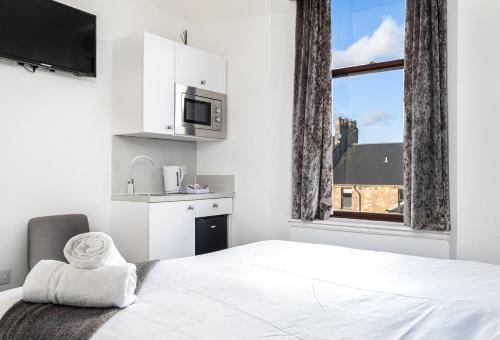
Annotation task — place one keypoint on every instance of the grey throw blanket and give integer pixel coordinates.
(26, 320)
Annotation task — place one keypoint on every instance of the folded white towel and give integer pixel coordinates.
(92, 250)
(63, 284)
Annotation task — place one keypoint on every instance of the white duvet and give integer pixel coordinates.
(285, 290)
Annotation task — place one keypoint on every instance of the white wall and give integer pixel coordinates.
(394, 241)
(453, 118)
(478, 119)
(149, 179)
(56, 130)
(257, 38)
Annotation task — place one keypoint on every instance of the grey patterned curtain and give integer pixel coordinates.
(426, 204)
(312, 121)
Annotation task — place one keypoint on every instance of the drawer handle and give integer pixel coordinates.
(213, 227)
(216, 205)
(191, 207)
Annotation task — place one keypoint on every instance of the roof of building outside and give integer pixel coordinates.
(366, 164)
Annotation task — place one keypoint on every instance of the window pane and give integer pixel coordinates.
(346, 199)
(366, 31)
(375, 102)
(368, 151)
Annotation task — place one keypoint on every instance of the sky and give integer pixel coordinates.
(366, 31)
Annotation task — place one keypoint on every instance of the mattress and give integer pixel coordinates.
(287, 290)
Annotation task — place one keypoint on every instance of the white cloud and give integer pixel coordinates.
(387, 42)
(373, 118)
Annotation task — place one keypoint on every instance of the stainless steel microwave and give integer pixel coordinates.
(199, 112)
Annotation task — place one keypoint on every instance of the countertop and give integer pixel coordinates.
(157, 198)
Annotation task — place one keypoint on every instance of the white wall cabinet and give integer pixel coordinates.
(145, 231)
(200, 69)
(146, 68)
(143, 85)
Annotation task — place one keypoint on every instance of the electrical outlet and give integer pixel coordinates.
(5, 276)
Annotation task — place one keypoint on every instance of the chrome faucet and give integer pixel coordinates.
(130, 183)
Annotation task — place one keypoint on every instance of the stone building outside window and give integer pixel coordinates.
(368, 178)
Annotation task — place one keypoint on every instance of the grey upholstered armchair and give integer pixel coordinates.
(48, 235)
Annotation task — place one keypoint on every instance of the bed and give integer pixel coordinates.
(288, 290)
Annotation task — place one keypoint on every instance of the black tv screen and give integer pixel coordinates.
(49, 34)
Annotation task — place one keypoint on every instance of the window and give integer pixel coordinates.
(367, 79)
(346, 198)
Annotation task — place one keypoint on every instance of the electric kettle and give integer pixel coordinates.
(172, 178)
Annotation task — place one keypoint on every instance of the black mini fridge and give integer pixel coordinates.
(211, 234)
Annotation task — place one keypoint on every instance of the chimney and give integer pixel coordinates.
(346, 134)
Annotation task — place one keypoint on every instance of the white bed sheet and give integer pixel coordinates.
(287, 290)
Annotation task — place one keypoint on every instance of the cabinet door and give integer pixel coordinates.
(200, 69)
(171, 230)
(158, 89)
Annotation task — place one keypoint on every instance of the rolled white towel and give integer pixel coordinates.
(92, 250)
(60, 283)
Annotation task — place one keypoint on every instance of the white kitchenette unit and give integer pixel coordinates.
(149, 227)
(168, 90)
(163, 89)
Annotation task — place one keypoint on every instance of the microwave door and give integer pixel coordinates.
(197, 112)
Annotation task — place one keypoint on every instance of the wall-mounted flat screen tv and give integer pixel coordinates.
(49, 34)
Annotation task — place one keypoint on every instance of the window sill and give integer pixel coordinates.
(356, 215)
(369, 227)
